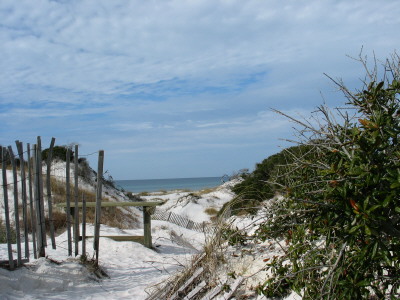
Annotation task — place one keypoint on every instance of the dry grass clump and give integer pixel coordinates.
(206, 191)
(160, 192)
(59, 192)
(205, 265)
(93, 267)
(110, 216)
(113, 217)
(3, 235)
(144, 194)
(59, 221)
(211, 211)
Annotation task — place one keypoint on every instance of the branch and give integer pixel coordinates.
(334, 266)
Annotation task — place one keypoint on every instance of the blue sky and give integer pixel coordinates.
(179, 88)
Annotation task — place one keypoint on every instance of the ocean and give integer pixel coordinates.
(155, 185)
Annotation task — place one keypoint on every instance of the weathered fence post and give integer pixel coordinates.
(33, 226)
(49, 197)
(98, 204)
(37, 202)
(83, 225)
(41, 233)
(40, 186)
(147, 227)
(20, 150)
(68, 194)
(6, 209)
(76, 208)
(16, 208)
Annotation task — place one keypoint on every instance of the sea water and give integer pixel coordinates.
(155, 185)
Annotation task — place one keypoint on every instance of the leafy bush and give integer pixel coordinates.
(59, 152)
(341, 217)
(233, 236)
(264, 181)
(84, 170)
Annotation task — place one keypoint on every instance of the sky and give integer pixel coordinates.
(173, 89)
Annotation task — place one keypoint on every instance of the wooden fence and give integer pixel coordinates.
(32, 199)
(182, 221)
(148, 207)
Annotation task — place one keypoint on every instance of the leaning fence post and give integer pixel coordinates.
(76, 209)
(20, 150)
(98, 204)
(33, 226)
(68, 195)
(6, 209)
(16, 208)
(49, 198)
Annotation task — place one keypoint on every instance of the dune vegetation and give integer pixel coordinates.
(340, 214)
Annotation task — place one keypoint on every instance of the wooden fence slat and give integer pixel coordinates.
(175, 219)
(234, 287)
(40, 187)
(181, 221)
(147, 227)
(98, 204)
(76, 209)
(195, 291)
(113, 204)
(6, 209)
(32, 210)
(187, 283)
(49, 197)
(160, 293)
(211, 294)
(39, 248)
(20, 150)
(16, 208)
(68, 200)
(83, 224)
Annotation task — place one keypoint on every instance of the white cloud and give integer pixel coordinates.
(133, 126)
(135, 72)
(93, 46)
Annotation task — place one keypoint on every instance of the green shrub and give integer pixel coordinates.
(234, 236)
(264, 181)
(84, 170)
(341, 217)
(59, 152)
